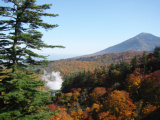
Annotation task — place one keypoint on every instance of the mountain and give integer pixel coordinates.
(124, 51)
(141, 42)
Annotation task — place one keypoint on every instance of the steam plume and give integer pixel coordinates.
(53, 80)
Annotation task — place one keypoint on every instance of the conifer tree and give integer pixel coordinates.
(157, 52)
(144, 61)
(19, 97)
(157, 57)
(111, 68)
(134, 63)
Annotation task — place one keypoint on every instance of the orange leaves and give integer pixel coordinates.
(68, 94)
(52, 107)
(77, 115)
(72, 66)
(103, 115)
(82, 115)
(97, 93)
(108, 102)
(106, 116)
(61, 115)
(118, 103)
(148, 109)
(134, 81)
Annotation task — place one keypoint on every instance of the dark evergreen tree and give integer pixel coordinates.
(144, 61)
(134, 63)
(157, 52)
(157, 58)
(124, 67)
(111, 68)
(20, 98)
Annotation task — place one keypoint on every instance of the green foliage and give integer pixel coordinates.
(144, 61)
(22, 21)
(20, 98)
(111, 69)
(134, 63)
(157, 56)
(157, 52)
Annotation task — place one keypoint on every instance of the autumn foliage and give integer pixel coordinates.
(119, 104)
(123, 91)
(97, 93)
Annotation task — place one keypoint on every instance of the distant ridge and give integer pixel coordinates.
(72, 66)
(141, 42)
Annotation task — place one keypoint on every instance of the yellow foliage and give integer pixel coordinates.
(115, 72)
(134, 81)
(68, 94)
(68, 104)
(96, 107)
(76, 95)
(79, 89)
(2, 93)
(77, 115)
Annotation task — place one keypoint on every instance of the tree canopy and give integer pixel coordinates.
(20, 97)
(19, 37)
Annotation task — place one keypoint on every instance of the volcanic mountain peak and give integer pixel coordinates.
(141, 42)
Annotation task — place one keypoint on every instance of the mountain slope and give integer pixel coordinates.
(72, 66)
(141, 42)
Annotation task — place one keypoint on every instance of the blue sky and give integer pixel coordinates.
(88, 26)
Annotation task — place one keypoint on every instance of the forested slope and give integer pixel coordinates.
(72, 66)
(126, 91)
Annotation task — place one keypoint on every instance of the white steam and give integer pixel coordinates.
(53, 80)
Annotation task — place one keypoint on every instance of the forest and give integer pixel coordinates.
(73, 66)
(124, 91)
(121, 88)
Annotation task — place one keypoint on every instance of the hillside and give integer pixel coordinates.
(69, 67)
(126, 91)
(141, 42)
